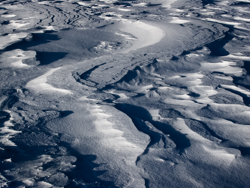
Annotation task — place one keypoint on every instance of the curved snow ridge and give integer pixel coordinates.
(226, 67)
(6, 132)
(211, 151)
(234, 24)
(113, 137)
(145, 33)
(40, 84)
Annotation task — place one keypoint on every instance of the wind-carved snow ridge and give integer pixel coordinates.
(215, 152)
(8, 15)
(7, 133)
(145, 33)
(226, 67)
(177, 20)
(40, 84)
(112, 137)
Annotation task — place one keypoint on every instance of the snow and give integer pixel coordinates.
(7, 133)
(168, 3)
(241, 19)
(226, 67)
(40, 84)
(11, 38)
(223, 22)
(8, 15)
(177, 20)
(240, 56)
(15, 58)
(235, 88)
(124, 93)
(17, 24)
(112, 137)
(146, 34)
(123, 9)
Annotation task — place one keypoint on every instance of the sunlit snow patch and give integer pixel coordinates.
(206, 13)
(223, 3)
(82, 3)
(140, 5)
(7, 133)
(105, 46)
(237, 133)
(236, 89)
(127, 36)
(11, 38)
(121, 95)
(215, 152)
(220, 154)
(124, 9)
(222, 22)
(167, 4)
(44, 2)
(17, 24)
(241, 19)
(193, 83)
(247, 1)
(226, 67)
(146, 34)
(108, 1)
(39, 84)
(239, 56)
(155, 114)
(45, 28)
(237, 18)
(224, 77)
(112, 137)
(235, 24)
(8, 15)
(111, 16)
(177, 20)
(15, 58)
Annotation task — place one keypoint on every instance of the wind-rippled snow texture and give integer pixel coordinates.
(124, 93)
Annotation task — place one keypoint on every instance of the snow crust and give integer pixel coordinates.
(124, 93)
(11, 38)
(16, 57)
(40, 84)
(146, 34)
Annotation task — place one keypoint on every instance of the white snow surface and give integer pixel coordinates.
(11, 38)
(40, 84)
(15, 58)
(135, 94)
(146, 34)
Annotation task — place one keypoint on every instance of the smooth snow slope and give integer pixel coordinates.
(145, 34)
(124, 93)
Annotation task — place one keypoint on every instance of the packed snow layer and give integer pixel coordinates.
(177, 20)
(167, 4)
(40, 84)
(124, 93)
(146, 34)
(16, 57)
(11, 38)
